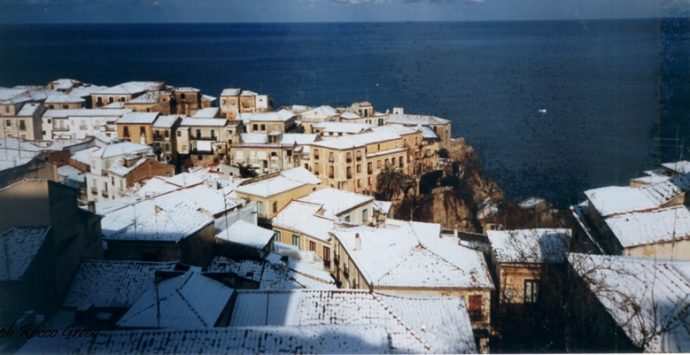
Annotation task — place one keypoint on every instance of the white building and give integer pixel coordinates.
(80, 123)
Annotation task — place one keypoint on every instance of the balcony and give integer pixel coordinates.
(104, 194)
(157, 137)
(205, 138)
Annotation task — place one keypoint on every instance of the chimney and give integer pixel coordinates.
(358, 242)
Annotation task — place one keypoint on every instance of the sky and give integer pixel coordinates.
(231, 11)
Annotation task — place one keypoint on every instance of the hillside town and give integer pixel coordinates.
(145, 217)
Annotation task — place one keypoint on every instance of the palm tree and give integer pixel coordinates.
(391, 182)
(246, 170)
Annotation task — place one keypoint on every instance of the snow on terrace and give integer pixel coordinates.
(416, 256)
(111, 283)
(642, 228)
(420, 324)
(407, 119)
(187, 301)
(245, 233)
(336, 202)
(612, 200)
(131, 87)
(18, 248)
(251, 340)
(530, 245)
(680, 167)
(357, 140)
(642, 295)
(303, 217)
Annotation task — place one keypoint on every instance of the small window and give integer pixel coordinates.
(275, 207)
(22, 125)
(365, 214)
(179, 133)
(142, 130)
(276, 236)
(531, 291)
(182, 96)
(347, 219)
(312, 246)
(255, 127)
(65, 107)
(263, 127)
(295, 240)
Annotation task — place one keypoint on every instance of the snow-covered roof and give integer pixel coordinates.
(335, 201)
(230, 92)
(612, 200)
(428, 133)
(648, 298)
(205, 122)
(149, 97)
(279, 116)
(248, 93)
(272, 273)
(13, 96)
(131, 87)
(123, 148)
(60, 98)
(208, 98)
(407, 119)
(416, 256)
(383, 206)
(245, 233)
(187, 301)
(18, 248)
(414, 324)
(112, 283)
(163, 218)
(64, 83)
(13, 153)
(303, 217)
(349, 115)
(298, 138)
(342, 127)
(530, 246)
(320, 112)
(86, 112)
(658, 226)
(28, 109)
(166, 121)
(679, 167)
(254, 138)
(209, 112)
(301, 174)
(187, 89)
(119, 168)
(286, 180)
(251, 340)
(138, 118)
(356, 140)
(86, 90)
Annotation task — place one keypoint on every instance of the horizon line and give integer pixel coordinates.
(346, 22)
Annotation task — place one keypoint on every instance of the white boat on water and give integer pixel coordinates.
(542, 110)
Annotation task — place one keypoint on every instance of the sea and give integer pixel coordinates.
(552, 107)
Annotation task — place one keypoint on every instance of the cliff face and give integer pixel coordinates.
(464, 198)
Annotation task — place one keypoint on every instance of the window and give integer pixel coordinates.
(378, 164)
(295, 240)
(142, 130)
(182, 96)
(331, 171)
(349, 172)
(347, 219)
(276, 236)
(400, 162)
(213, 134)
(475, 308)
(22, 125)
(331, 157)
(8, 123)
(255, 127)
(316, 154)
(65, 107)
(179, 133)
(263, 127)
(260, 208)
(359, 155)
(275, 207)
(327, 256)
(166, 133)
(369, 169)
(51, 106)
(359, 168)
(125, 131)
(110, 100)
(312, 246)
(198, 133)
(531, 291)
(112, 180)
(365, 215)
(348, 157)
(99, 100)
(7, 109)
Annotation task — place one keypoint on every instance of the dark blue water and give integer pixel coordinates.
(617, 92)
